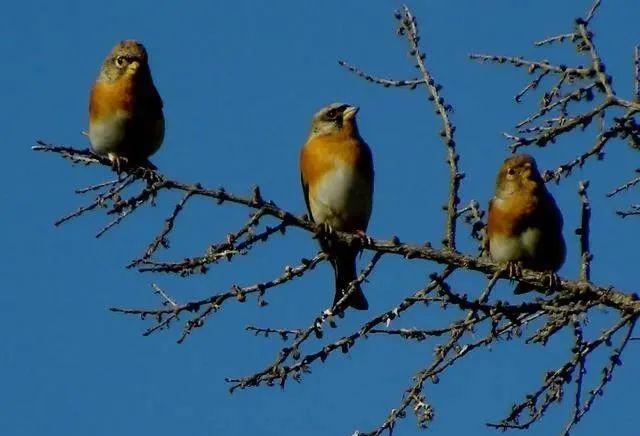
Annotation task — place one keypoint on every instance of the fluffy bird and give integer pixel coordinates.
(126, 122)
(337, 180)
(525, 224)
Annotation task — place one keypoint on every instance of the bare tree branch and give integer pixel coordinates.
(583, 232)
(575, 97)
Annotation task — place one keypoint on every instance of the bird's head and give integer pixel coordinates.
(336, 118)
(127, 58)
(518, 173)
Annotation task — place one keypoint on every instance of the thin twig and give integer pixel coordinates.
(583, 232)
(409, 26)
(387, 83)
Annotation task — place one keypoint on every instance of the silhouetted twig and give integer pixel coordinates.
(477, 318)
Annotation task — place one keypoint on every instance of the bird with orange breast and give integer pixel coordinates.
(337, 179)
(525, 224)
(126, 122)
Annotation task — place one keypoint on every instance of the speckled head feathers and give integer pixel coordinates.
(519, 172)
(128, 57)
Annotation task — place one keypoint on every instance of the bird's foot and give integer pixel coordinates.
(366, 240)
(148, 171)
(118, 163)
(514, 269)
(552, 281)
(325, 229)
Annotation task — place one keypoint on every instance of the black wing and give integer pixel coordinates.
(305, 192)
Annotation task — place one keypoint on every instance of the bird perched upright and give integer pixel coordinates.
(525, 224)
(126, 122)
(337, 180)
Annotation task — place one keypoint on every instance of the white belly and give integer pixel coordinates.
(108, 134)
(523, 246)
(341, 197)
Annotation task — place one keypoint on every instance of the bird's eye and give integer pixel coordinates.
(332, 114)
(511, 171)
(120, 61)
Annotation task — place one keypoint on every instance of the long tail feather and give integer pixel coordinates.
(344, 266)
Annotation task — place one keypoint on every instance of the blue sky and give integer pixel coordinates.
(240, 81)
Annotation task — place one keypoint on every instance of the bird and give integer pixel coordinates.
(336, 167)
(524, 226)
(126, 120)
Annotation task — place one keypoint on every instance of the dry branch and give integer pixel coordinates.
(478, 321)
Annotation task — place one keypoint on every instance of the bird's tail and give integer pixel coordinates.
(344, 266)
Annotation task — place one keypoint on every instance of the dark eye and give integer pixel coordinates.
(120, 61)
(332, 114)
(511, 171)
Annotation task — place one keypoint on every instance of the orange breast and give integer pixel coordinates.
(109, 97)
(507, 217)
(321, 154)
